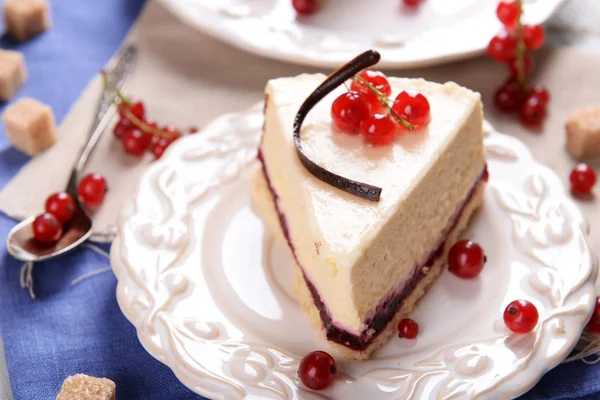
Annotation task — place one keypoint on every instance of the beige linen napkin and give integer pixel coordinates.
(187, 78)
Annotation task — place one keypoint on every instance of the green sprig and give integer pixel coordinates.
(384, 100)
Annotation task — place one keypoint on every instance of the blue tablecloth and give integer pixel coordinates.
(72, 329)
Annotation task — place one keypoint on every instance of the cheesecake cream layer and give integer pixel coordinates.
(393, 307)
(355, 252)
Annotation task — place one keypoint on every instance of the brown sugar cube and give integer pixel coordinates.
(30, 126)
(13, 73)
(25, 19)
(583, 133)
(83, 387)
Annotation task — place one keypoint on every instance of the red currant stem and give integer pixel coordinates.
(140, 124)
(521, 78)
(108, 88)
(384, 100)
(145, 128)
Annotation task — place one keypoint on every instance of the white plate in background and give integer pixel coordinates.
(438, 31)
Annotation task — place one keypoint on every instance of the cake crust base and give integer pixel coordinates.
(409, 304)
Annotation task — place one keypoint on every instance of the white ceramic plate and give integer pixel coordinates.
(209, 292)
(437, 32)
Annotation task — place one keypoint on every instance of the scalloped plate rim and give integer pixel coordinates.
(120, 273)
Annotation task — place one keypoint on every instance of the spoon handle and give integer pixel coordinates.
(117, 75)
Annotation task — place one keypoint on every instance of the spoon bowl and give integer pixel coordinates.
(23, 246)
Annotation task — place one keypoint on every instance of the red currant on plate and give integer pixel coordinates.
(135, 142)
(46, 228)
(92, 189)
(508, 12)
(508, 97)
(136, 108)
(305, 6)
(317, 370)
(502, 47)
(594, 323)
(414, 108)
(61, 205)
(532, 112)
(378, 129)
(379, 81)
(466, 259)
(407, 328)
(539, 92)
(521, 316)
(582, 179)
(534, 36)
(349, 110)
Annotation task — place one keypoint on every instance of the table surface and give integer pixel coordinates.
(575, 25)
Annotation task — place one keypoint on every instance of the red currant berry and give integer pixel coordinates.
(122, 127)
(407, 328)
(46, 228)
(136, 108)
(378, 129)
(508, 12)
(159, 147)
(349, 110)
(414, 108)
(514, 67)
(594, 324)
(92, 189)
(466, 259)
(379, 81)
(486, 176)
(412, 3)
(532, 112)
(582, 179)
(521, 316)
(305, 6)
(317, 370)
(61, 205)
(534, 36)
(502, 47)
(508, 97)
(539, 92)
(135, 142)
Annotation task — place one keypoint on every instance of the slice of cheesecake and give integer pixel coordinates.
(363, 265)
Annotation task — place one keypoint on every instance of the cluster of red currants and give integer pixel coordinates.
(307, 7)
(365, 108)
(60, 208)
(139, 134)
(511, 47)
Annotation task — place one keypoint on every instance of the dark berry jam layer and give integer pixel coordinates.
(386, 310)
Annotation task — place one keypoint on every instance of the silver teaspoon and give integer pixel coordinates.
(20, 242)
